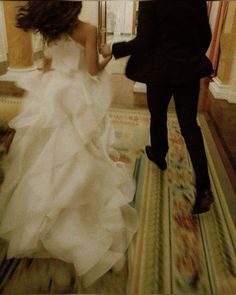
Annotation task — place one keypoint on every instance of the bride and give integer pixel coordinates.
(63, 196)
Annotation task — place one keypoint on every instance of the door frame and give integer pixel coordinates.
(102, 20)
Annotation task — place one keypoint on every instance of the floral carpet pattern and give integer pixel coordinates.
(176, 252)
(173, 252)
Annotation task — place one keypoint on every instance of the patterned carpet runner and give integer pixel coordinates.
(174, 252)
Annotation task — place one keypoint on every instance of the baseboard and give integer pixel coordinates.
(4, 64)
(222, 91)
(140, 87)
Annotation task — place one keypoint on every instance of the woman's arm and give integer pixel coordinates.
(91, 51)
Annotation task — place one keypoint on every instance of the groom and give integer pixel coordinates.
(168, 54)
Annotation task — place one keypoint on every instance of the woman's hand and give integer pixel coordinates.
(106, 50)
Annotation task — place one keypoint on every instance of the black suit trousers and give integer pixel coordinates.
(186, 103)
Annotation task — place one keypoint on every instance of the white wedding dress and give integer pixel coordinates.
(63, 196)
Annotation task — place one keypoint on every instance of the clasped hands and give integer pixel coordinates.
(105, 50)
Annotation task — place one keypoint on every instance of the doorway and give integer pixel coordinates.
(117, 19)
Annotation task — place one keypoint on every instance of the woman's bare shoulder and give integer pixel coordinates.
(83, 31)
(88, 26)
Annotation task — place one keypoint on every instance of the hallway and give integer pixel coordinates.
(166, 227)
(174, 251)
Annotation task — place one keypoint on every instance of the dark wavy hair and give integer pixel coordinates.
(51, 18)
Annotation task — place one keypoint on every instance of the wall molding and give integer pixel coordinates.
(4, 64)
(222, 91)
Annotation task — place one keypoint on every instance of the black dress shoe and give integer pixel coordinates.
(203, 202)
(161, 163)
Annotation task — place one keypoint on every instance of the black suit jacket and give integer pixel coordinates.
(172, 39)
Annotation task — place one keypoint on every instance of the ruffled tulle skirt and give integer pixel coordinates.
(63, 196)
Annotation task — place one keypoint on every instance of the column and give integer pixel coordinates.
(20, 51)
(223, 85)
(20, 60)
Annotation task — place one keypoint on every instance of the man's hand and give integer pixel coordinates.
(106, 50)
